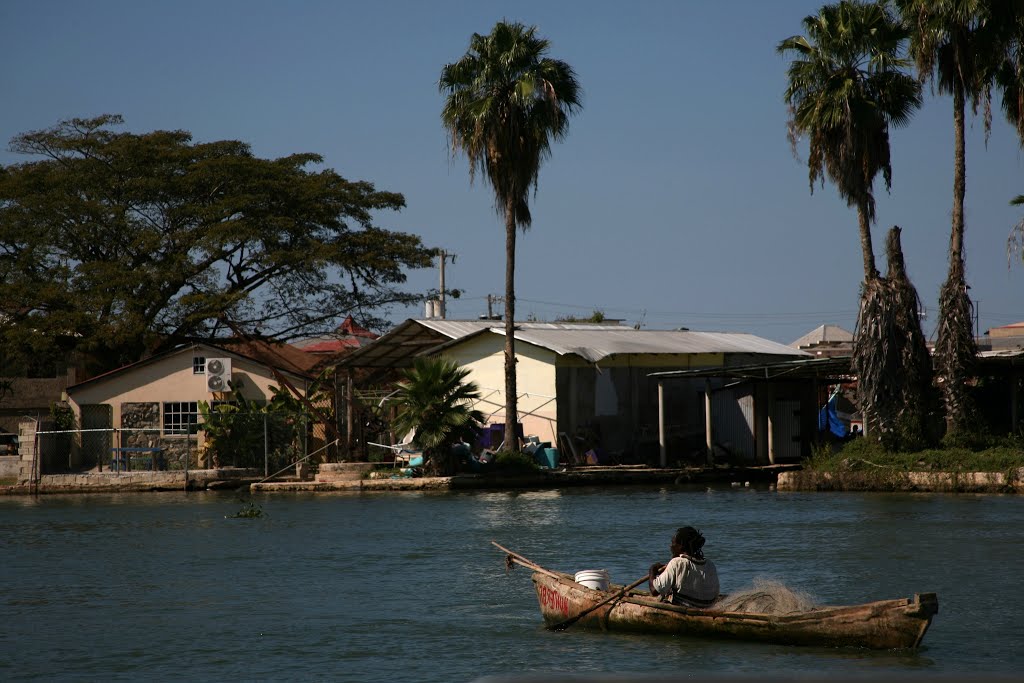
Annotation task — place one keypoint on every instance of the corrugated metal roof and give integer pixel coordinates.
(834, 369)
(592, 342)
(596, 344)
(404, 342)
(456, 329)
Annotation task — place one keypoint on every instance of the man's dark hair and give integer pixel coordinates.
(690, 540)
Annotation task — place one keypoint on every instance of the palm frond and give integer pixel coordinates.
(846, 87)
(505, 102)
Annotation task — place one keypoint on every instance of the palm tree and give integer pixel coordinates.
(894, 369)
(435, 403)
(959, 45)
(506, 101)
(1010, 78)
(846, 87)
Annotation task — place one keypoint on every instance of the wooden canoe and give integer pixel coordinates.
(882, 625)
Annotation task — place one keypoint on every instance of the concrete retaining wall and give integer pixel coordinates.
(940, 482)
(343, 471)
(112, 482)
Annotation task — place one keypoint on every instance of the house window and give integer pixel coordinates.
(198, 365)
(180, 416)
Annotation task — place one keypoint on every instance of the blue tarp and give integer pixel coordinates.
(828, 419)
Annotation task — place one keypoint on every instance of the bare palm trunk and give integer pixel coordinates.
(867, 250)
(955, 348)
(511, 409)
(866, 344)
(956, 237)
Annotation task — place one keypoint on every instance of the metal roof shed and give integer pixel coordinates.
(814, 370)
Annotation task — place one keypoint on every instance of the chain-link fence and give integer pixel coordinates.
(263, 441)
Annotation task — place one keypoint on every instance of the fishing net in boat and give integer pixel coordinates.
(766, 597)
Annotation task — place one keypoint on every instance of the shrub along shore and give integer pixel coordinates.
(992, 466)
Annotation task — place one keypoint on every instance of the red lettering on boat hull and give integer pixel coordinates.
(552, 600)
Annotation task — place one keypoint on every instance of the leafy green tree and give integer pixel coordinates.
(959, 45)
(117, 244)
(233, 431)
(239, 431)
(435, 403)
(847, 86)
(505, 102)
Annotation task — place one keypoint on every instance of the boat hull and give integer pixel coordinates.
(887, 624)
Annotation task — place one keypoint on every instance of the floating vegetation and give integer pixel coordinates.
(248, 511)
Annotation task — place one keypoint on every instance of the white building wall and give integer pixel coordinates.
(484, 356)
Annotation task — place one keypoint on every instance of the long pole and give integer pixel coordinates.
(662, 446)
(443, 256)
(188, 452)
(709, 437)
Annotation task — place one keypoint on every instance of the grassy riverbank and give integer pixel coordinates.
(863, 465)
(863, 454)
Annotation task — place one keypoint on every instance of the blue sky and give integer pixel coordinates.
(674, 202)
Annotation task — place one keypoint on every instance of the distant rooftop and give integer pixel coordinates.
(824, 335)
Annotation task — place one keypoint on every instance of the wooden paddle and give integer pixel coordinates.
(562, 625)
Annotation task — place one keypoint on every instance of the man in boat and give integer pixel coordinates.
(689, 578)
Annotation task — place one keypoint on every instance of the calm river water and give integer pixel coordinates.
(406, 587)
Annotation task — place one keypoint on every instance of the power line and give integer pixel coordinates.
(697, 314)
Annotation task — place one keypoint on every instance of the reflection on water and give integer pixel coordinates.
(536, 507)
(407, 587)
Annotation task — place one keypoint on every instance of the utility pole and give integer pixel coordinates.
(443, 256)
(491, 299)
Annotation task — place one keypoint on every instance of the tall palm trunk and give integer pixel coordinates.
(866, 340)
(955, 348)
(867, 250)
(956, 237)
(511, 408)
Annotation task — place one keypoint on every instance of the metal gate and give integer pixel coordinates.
(96, 445)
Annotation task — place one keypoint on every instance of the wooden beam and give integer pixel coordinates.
(1014, 409)
(709, 437)
(349, 411)
(663, 450)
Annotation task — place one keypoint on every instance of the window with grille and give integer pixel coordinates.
(179, 417)
(198, 365)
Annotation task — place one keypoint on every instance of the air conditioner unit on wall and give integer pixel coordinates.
(218, 374)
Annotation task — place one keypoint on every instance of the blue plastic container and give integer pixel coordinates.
(546, 457)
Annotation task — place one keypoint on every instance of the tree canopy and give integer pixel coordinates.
(117, 244)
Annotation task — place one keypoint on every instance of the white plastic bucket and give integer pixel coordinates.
(597, 579)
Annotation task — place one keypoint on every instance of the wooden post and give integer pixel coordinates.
(349, 412)
(663, 451)
(770, 409)
(188, 451)
(707, 422)
(1014, 406)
